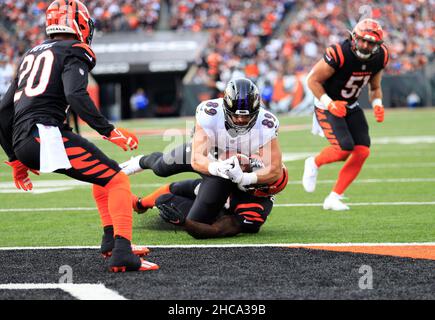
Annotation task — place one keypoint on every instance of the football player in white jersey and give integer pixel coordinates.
(235, 124)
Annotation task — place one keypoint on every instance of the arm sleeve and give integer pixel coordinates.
(75, 82)
(7, 119)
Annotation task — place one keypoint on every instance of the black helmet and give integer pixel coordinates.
(241, 99)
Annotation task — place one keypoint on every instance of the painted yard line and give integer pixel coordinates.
(9, 187)
(358, 204)
(238, 245)
(82, 291)
(409, 203)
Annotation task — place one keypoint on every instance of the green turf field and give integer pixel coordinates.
(400, 170)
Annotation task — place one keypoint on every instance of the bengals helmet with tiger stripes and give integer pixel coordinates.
(267, 190)
(70, 16)
(368, 30)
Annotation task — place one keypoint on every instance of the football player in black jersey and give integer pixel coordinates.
(52, 77)
(336, 82)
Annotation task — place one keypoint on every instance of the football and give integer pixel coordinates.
(248, 164)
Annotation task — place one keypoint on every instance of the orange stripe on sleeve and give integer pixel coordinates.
(340, 54)
(332, 54)
(249, 205)
(250, 213)
(86, 47)
(386, 56)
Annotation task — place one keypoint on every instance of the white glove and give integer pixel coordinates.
(219, 169)
(235, 172)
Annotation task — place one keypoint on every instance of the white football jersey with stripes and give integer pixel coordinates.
(210, 116)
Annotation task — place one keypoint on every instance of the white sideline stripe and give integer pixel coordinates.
(82, 291)
(408, 203)
(240, 245)
(72, 183)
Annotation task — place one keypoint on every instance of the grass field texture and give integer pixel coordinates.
(400, 169)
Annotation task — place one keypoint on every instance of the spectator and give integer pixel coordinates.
(139, 103)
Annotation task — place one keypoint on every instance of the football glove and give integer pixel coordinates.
(123, 139)
(338, 108)
(20, 175)
(171, 214)
(219, 168)
(236, 174)
(379, 113)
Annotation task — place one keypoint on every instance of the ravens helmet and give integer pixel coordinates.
(241, 105)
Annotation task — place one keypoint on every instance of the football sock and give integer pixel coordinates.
(119, 207)
(351, 168)
(331, 154)
(149, 201)
(101, 198)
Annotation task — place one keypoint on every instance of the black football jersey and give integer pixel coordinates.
(51, 77)
(351, 73)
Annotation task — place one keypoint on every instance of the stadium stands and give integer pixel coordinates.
(265, 40)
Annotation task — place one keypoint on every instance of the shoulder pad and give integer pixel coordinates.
(206, 112)
(334, 56)
(270, 124)
(84, 52)
(386, 56)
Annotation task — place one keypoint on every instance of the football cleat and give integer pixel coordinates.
(131, 166)
(108, 243)
(333, 202)
(137, 205)
(309, 178)
(123, 259)
(145, 266)
(137, 250)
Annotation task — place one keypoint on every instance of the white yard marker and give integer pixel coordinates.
(405, 203)
(83, 291)
(237, 245)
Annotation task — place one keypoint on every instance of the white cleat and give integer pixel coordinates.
(333, 202)
(131, 166)
(310, 175)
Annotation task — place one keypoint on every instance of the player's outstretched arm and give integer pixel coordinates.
(225, 226)
(199, 159)
(271, 156)
(75, 83)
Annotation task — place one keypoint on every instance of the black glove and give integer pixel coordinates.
(171, 214)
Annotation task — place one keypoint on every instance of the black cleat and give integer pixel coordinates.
(123, 259)
(107, 242)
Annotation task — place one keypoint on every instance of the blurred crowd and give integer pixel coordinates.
(270, 41)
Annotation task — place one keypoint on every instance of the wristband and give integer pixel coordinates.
(325, 100)
(377, 102)
(249, 178)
